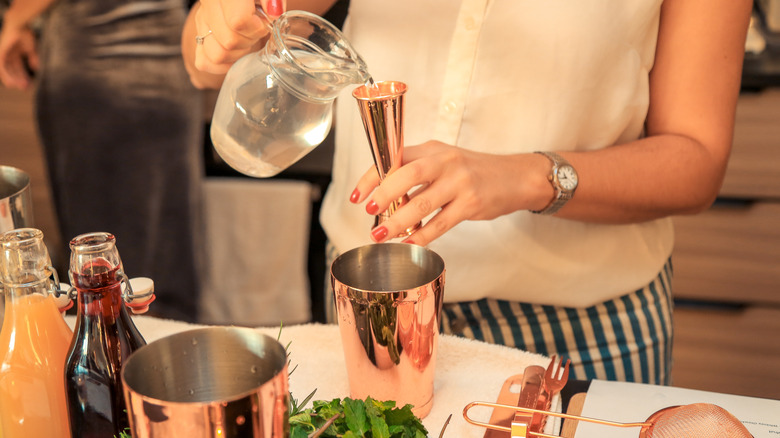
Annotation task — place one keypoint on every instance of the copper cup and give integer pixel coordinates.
(381, 107)
(388, 303)
(225, 382)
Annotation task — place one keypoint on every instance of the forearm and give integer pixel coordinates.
(646, 179)
(22, 12)
(694, 89)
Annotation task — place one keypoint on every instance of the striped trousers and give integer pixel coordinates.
(628, 338)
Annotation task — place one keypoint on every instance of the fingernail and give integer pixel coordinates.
(409, 241)
(372, 208)
(275, 7)
(379, 234)
(353, 198)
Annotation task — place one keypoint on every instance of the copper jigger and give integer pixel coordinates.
(227, 382)
(382, 111)
(388, 302)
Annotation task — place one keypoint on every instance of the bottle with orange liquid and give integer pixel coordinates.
(33, 341)
(104, 337)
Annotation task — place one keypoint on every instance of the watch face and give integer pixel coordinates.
(567, 177)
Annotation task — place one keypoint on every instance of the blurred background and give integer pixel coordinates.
(726, 260)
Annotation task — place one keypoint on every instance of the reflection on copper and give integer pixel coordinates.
(225, 382)
(381, 108)
(388, 301)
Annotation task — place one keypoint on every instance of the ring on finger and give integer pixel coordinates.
(199, 38)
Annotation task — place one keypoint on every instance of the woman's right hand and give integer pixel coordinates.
(228, 29)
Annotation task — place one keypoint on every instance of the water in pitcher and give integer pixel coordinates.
(270, 123)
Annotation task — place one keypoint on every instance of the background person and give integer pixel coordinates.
(121, 128)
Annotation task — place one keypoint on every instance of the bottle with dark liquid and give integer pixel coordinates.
(104, 337)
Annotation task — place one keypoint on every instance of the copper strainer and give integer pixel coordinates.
(697, 420)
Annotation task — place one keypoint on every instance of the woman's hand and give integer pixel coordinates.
(456, 184)
(219, 32)
(18, 53)
(230, 29)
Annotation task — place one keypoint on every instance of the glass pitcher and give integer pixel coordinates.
(275, 105)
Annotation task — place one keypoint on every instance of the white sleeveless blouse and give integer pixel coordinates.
(510, 76)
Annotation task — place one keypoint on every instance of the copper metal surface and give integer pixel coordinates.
(697, 420)
(381, 108)
(509, 396)
(554, 381)
(388, 302)
(530, 391)
(225, 382)
(15, 199)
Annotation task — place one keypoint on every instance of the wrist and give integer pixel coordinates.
(541, 193)
(563, 179)
(13, 19)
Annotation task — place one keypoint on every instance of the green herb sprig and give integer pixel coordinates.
(357, 418)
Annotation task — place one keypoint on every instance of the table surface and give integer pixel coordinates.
(466, 370)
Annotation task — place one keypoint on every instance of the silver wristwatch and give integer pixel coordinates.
(563, 178)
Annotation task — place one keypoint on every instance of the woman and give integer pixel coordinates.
(121, 129)
(636, 100)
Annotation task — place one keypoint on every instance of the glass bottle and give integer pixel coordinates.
(33, 341)
(104, 337)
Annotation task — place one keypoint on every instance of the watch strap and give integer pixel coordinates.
(561, 196)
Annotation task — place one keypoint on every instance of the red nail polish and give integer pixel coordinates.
(275, 7)
(372, 208)
(379, 234)
(409, 241)
(353, 198)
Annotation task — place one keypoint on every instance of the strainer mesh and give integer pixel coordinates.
(697, 420)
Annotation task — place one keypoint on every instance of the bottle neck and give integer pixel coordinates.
(13, 292)
(103, 302)
(27, 302)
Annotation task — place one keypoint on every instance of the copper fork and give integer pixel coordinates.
(553, 383)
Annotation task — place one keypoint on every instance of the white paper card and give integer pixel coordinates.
(635, 402)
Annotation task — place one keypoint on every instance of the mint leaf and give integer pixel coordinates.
(367, 418)
(298, 432)
(400, 416)
(355, 416)
(379, 427)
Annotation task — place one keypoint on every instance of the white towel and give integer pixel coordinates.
(466, 370)
(257, 237)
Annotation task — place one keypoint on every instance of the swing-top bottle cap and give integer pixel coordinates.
(143, 294)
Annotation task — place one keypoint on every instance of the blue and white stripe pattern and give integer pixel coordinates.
(628, 338)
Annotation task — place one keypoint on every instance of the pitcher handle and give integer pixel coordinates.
(267, 22)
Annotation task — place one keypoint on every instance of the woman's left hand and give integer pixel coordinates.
(456, 184)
